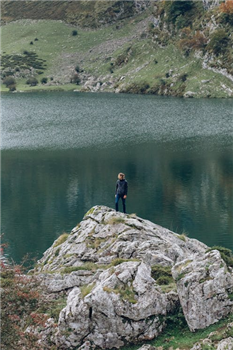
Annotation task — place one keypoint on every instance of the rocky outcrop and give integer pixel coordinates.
(210, 3)
(204, 285)
(124, 306)
(105, 236)
(125, 275)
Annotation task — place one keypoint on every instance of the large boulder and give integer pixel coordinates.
(125, 305)
(105, 235)
(124, 275)
(205, 287)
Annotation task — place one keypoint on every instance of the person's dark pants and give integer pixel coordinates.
(118, 196)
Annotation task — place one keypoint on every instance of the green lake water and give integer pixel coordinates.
(61, 153)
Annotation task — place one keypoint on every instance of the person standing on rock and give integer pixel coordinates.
(121, 191)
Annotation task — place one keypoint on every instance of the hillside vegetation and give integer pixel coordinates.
(87, 14)
(177, 48)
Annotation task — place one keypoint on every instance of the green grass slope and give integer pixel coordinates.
(131, 55)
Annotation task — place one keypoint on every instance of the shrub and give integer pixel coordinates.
(183, 78)
(44, 80)
(162, 273)
(74, 32)
(226, 254)
(227, 18)
(176, 319)
(150, 27)
(227, 7)
(10, 83)
(32, 81)
(177, 12)
(21, 298)
(77, 69)
(121, 59)
(137, 88)
(218, 42)
(190, 42)
(75, 79)
(164, 280)
(181, 22)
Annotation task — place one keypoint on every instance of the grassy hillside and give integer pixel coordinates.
(88, 14)
(164, 49)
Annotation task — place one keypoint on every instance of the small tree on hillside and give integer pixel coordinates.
(77, 68)
(44, 80)
(10, 83)
(75, 79)
(32, 81)
(178, 12)
(218, 42)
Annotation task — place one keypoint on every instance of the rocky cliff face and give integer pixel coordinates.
(208, 4)
(124, 276)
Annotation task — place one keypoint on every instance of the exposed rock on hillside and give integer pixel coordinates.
(209, 4)
(204, 284)
(118, 270)
(105, 236)
(124, 306)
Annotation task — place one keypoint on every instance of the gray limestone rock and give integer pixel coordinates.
(109, 265)
(104, 236)
(125, 305)
(226, 344)
(204, 285)
(210, 4)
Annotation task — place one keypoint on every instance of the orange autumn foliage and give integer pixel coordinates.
(227, 7)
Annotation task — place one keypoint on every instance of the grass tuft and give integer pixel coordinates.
(86, 289)
(60, 240)
(226, 254)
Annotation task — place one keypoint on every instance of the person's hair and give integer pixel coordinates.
(121, 174)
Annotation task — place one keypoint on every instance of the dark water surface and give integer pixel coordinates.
(61, 153)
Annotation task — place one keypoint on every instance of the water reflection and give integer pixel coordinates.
(47, 193)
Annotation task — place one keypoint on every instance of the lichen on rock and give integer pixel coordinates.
(125, 275)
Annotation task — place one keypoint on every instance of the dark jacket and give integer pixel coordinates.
(121, 187)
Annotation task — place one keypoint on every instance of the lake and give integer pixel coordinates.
(61, 153)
